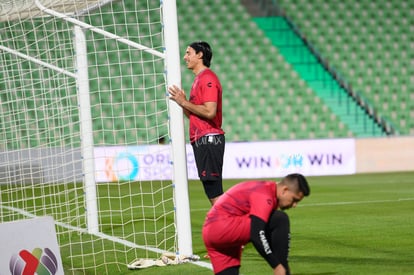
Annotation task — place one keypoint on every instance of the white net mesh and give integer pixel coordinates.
(41, 161)
(22, 9)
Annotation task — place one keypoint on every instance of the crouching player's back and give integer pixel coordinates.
(249, 212)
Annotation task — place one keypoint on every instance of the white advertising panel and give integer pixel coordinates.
(276, 159)
(241, 160)
(146, 162)
(29, 247)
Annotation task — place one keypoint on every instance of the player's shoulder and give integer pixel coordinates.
(209, 74)
(256, 184)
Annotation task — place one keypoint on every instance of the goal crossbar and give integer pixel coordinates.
(37, 61)
(65, 11)
(22, 9)
(97, 30)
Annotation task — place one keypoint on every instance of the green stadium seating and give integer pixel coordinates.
(368, 42)
(265, 97)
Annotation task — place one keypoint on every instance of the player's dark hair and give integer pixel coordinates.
(204, 47)
(302, 183)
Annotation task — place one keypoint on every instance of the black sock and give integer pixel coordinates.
(234, 270)
(279, 235)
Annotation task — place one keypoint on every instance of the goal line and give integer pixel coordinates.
(82, 230)
(105, 236)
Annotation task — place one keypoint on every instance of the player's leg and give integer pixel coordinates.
(224, 239)
(213, 190)
(209, 154)
(225, 256)
(225, 260)
(234, 270)
(278, 232)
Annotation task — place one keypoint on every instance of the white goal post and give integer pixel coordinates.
(86, 124)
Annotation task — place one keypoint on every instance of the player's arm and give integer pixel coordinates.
(261, 243)
(207, 110)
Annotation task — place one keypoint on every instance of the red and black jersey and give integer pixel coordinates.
(248, 198)
(206, 88)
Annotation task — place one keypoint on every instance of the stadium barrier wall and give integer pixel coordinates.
(391, 154)
(41, 165)
(242, 160)
(265, 159)
(269, 159)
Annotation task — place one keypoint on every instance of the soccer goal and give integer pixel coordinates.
(87, 133)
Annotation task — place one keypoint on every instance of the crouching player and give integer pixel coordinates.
(247, 212)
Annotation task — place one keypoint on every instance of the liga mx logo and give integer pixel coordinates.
(40, 262)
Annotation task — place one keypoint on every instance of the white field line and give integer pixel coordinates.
(331, 203)
(199, 263)
(354, 202)
(104, 236)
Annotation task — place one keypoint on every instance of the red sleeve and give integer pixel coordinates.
(210, 88)
(262, 204)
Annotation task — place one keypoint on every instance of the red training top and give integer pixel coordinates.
(206, 88)
(244, 199)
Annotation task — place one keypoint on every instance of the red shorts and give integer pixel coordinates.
(224, 240)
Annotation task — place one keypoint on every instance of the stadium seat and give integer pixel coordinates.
(368, 42)
(373, 31)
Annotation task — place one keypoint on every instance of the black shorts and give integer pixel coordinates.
(209, 154)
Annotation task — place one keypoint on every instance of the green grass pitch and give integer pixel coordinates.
(356, 224)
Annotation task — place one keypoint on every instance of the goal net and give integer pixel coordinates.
(85, 133)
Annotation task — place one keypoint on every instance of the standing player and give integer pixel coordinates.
(248, 212)
(204, 109)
